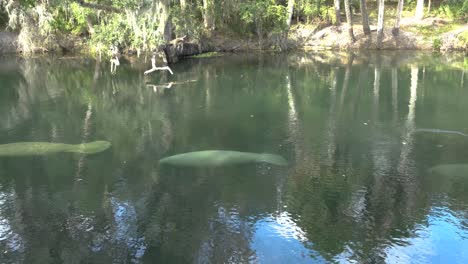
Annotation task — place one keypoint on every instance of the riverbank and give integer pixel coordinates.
(413, 35)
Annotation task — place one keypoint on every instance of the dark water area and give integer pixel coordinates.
(362, 140)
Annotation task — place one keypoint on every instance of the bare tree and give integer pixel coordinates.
(183, 4)
(419, 9)
(349, 19)
(164, 27)
(365, 18)
(380, 23)
(208, 16)
(337, 12)
(396, 27)
(290, 12)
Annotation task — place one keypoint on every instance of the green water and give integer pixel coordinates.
(357, 188)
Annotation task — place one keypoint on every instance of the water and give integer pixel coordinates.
(357, 188)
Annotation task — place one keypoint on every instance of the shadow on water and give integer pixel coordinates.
(357, 187)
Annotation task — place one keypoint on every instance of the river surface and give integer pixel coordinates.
(361, 136)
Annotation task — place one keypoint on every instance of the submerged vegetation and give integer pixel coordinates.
(98, 26)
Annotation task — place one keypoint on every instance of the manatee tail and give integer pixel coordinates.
(273, 159)
(90, 148)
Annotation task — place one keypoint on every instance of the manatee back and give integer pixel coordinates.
(273, 159)
(90, 148)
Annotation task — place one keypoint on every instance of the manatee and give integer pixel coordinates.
(44, 148)
(450, 170)
(217, 158)
(440, 131)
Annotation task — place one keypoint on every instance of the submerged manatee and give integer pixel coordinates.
(450, 170)
(43, 148)
(440, 131)
(216, 158)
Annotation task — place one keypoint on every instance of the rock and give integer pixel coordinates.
(176, 51)
(8, 42)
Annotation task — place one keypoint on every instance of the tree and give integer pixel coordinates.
(164, 26)
(290, 12)
(349, 19)
(419, 9)
(396, 27)
(208, 16)
(337, 12)
(183, 4)
(380, 23)
(365, 18)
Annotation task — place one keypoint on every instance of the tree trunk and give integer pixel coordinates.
(208, 19)
(337, 12)
(380, 23)
(164, 27)
(419, 9)
(429, 6)
(396, 28)
(365, 18)
(349, 19)
(290, 12)
(183, 4)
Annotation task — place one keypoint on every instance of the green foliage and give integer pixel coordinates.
(453, 9)
(186, 22)
(208, 55)
(436, 43)
(310, 10)
(113, 31)
(263, 16)
(462, 41)
(72, 18)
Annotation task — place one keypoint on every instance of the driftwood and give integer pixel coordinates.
(154, 68)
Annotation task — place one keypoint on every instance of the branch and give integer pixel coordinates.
(98, 6)
(154, 68)
(165, 68)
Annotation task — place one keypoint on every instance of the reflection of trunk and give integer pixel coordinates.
(410, 124)
(87, 122)
(331, 127)
(86, 131)
(396, 27)
(395, 94)
(404, 165)
(292, 109)
(365, 18)
(380, 23)
(363, 75)
(208, 92)
(337, 12)
(375, 104)
(462, 79)
(349, 19)
(345, 82)
(293, 123)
